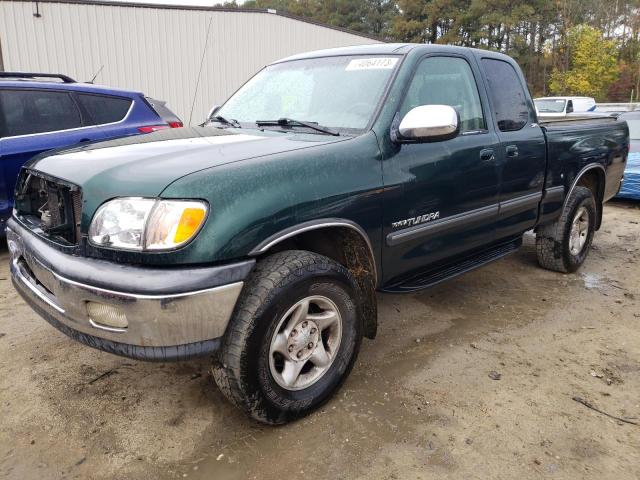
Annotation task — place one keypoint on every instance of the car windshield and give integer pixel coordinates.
(634, 128)
(550, 105)
(335, 92)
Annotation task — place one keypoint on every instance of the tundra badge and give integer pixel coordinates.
(409, 222)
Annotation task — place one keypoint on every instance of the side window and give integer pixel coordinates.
(507, 95)
(446, 81)
(104, 109)
(35, 111)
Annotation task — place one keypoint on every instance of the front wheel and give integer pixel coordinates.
(564, 245)
(293, 339)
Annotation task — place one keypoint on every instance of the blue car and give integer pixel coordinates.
(631, 183)
(40, 112)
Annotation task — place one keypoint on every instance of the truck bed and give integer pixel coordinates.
(586, 141)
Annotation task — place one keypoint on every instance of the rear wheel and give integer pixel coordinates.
(564, 245)
(293, 339)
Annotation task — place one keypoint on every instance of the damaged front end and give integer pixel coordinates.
(49, 204)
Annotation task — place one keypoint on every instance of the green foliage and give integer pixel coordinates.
(592, 66)
(540, 34)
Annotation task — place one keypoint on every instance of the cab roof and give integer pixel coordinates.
(389, 49)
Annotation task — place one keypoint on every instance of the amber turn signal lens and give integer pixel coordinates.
(189, 224)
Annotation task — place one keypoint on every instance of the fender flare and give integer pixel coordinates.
(599, 202)
(294, 230)
(367, 285)
(580, 174)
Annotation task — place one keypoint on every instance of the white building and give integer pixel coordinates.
(184, 55)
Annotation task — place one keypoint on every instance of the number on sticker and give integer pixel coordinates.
(372, 64)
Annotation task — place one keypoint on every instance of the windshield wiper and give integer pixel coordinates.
(231, 122)
(285, 122)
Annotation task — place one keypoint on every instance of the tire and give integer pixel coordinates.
(250, 370)
(554, 243)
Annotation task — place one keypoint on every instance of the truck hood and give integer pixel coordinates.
(144, 165)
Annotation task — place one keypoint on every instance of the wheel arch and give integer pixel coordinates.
(594, 177)
(345, 242)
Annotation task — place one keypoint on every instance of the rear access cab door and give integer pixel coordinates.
(523, 151)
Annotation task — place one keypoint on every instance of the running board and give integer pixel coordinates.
(433, 277)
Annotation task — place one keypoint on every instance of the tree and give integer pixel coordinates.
(592, 64)
(544, 36)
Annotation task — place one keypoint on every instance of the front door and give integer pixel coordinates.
(441, 198)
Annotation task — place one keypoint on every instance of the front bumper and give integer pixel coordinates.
(171, 313)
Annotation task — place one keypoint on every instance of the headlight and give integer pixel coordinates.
(146, 224)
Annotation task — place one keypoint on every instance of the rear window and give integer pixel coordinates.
(507, 95)
(550, 105)
(37, 111)
(103, 108)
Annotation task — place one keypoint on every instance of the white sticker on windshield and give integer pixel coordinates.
(385, 63)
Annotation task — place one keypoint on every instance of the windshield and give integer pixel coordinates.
(634, 129)
(336, 92)
(550, 106)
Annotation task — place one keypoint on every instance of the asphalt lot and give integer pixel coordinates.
(421, 402)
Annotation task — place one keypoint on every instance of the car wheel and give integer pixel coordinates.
(563, 245)
(293, 339)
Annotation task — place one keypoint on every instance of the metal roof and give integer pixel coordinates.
(190, 57)
(268, 11)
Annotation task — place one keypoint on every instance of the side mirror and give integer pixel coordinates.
(213, 111)
(429, 123)
(570, 107)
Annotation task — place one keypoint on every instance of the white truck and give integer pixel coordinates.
(562, 106)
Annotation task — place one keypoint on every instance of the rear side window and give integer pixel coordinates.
(507, 95)
(36, 111)
(446, 81)
(103, 108)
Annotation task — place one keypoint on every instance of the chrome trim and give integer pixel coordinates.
(591, 166)
(272, 240)
(39, 293)
(154, 320)
(81, 128)
(429, 122)
(137, 296)
(444, 224)
(113, 276)
(105, 328)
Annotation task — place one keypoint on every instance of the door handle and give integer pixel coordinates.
(487, 155)
(512, 151)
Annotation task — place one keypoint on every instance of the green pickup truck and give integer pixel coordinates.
(262, 236)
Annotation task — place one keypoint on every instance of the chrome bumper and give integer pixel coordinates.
(157, 324)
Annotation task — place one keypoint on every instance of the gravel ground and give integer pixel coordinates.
(474, 378)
